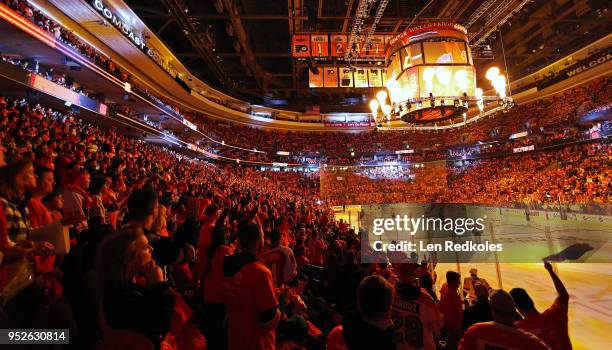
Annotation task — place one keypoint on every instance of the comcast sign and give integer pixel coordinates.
(134, 38)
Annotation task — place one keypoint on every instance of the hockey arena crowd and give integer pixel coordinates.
(170, 252)
(135, 246)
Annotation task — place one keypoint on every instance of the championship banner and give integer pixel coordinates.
(320, 45)
(359, 42)
(330, 77)
(346, 77)
(375, 77)
(315, 80)
(361, 77)
(301, 45)
(343, 77)
(339, 44)
(375, 47)
(325, 46)
(483, 51)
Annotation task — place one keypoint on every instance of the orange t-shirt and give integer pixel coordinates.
(213, 282)
(496, 336)
(204, 203)
(248, 293)
(316, 249)
(451, 306)
(550, 326)
(39, 215)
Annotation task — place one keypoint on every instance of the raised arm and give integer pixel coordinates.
(562, 294)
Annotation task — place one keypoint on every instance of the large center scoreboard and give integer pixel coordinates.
(432, 59)
(430, 72)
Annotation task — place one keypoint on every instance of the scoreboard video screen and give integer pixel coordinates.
(441, 68)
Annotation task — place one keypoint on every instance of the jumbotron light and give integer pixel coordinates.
(431, 76)
(381, 96)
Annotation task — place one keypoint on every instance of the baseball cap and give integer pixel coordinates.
(502, 302)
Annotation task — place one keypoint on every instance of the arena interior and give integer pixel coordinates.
(305, 174)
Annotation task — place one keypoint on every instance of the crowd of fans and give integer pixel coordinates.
(131, 245)
(135, 246)
(576, 174)
(379, 185)
(543, 120)
(48, 73)
(67, 37)
(102, 183)
(573, 174)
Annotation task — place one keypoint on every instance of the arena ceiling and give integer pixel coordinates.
(243, 47)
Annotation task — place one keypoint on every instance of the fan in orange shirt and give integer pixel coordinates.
(252, 307)
(316, 248)
(38, 214)
(451, 306)
(550, 325)
(501, 333)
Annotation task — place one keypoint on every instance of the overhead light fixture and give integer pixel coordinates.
(499, 83)
(492, 73)
(374, 106)
(382, 97)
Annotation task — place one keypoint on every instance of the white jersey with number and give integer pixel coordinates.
(418, 323)
(281, 262)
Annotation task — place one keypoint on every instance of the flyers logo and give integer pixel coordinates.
(301, 48)
(331, 71)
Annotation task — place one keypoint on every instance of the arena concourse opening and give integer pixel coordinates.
(305, 175)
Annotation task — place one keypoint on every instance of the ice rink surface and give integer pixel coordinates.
(589, 282)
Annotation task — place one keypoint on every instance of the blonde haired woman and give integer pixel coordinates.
(136, 299)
